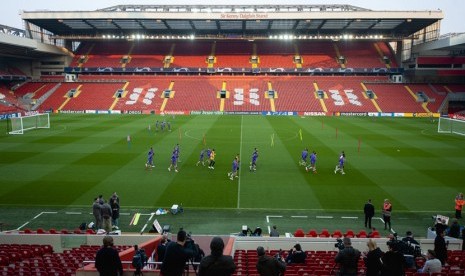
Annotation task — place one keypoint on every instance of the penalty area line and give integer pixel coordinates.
(38, 215)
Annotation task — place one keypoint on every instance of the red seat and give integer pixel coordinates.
(299, 233)
(4, 260)
(40, 231)
(312, 233)
(337, 234)
(53, 231)
(349, 234)
(362, 234)
(324, 233)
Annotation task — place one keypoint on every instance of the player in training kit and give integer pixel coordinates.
(201, 157)
(157, 124)
(212, 160)
(149, 163)
(174, 161)
(312, 165)
(253, 163)
(234, 169)
(238, 166)
(177, 149)
(340, 165)
(303, 162)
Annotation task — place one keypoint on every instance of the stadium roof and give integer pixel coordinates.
(231, 21)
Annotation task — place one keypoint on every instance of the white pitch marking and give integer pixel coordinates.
(125, 214)
(35, 218)
(321, 217)
(299, 216)
(349, 217)
(73, 213)
(150, 218)
(268, 218)
(22, 226)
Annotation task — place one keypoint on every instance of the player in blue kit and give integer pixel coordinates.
(340, 165)
(312, 165)
(234, 169)
(253, 163)
(201, 157)
(303, 161)
(174, 161)
(149, 163)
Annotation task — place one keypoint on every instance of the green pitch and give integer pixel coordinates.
(62, 169)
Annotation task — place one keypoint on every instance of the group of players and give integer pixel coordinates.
(312, 165)
(208, 156)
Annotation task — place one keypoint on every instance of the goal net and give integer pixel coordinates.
(447, 125)
(21, 124)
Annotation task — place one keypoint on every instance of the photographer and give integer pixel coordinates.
(347, 258)
(176, 256)
(393, 262)
(296, 255)
(216, 263)
(269, 266)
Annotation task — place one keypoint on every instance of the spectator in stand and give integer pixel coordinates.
(393, 262)
(440, 247)
(176, 256)
(409, 238)
(432, 265)
(274, 232)
(459, 202)
(269, 266)
(454, 229)
(107, 259)
(296, 255)
(463, 239)
(347, 259)
(161, 248)
(369, 211)
(97, 212)
(217, 263)
(372, 259)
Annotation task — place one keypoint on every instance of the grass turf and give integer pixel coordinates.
(82, 156)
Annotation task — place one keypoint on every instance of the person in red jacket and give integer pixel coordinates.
(459, 202)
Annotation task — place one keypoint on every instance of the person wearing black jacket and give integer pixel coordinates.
(369, 211)
(393, 262)
(440, 247)
(176, 256)
(216, 263)
(296, 255)
(372, 259)
(107, 259)
(269, 266)
(347, 259)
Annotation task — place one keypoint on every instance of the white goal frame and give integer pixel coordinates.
(20, 124)
(448, 125)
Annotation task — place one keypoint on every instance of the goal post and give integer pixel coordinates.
(20, 124)
(448, 125)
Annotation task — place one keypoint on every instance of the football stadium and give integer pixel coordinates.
(136, 121)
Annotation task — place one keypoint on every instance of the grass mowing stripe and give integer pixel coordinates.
(239, 180)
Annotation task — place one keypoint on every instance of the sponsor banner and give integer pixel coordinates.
(279, 113)
(408, 115)
(457, 117)
(133, 112)
(399, 114)
(115, 112)
(242, 112)
(353, 114)
(9, 115)
(373, 114)
(148, 112)
(422, 115)
(174, 112)
(203, 112)
(90, 111)
(386, 114)
(71, 111)
(102, 112)
(30, 113)
(312, 113)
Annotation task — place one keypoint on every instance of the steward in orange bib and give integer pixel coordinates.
(459, 202)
